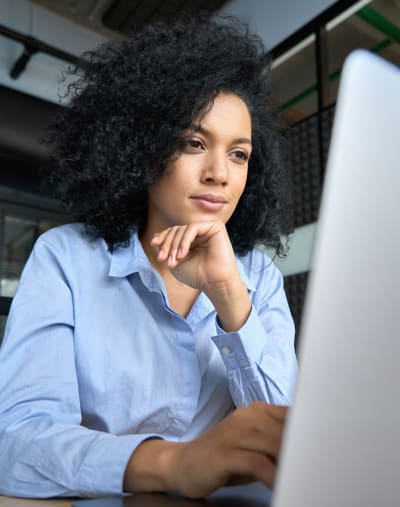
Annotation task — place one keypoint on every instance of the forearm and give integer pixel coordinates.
(42, 458)
(232, 304)
(260, 363)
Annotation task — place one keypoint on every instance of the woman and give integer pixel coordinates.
(135, 332)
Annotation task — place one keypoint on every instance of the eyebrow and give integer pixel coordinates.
(206, 132)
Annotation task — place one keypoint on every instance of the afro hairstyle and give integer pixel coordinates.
(131, 100)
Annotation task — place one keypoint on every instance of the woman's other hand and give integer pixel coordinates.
(243, 448)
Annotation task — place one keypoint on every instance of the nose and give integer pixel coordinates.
(216, 169)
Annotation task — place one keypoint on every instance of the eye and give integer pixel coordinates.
(240, 156)
(191, 144)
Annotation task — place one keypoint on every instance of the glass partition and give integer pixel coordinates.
(293, 82)
(20, 225)
(370, 25)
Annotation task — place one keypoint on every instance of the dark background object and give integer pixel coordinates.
(124, 15)
(295, 287)
(304, 163)
(23, 122)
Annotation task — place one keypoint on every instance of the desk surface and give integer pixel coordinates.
(145, 500)
(228, 497)
(6, 501)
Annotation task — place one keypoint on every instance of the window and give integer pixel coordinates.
(23, 217)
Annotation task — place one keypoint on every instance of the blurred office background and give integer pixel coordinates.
(309, 41)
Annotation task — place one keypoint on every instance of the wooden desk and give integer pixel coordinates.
(7, 501)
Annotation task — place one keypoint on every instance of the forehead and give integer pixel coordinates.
(229, 113)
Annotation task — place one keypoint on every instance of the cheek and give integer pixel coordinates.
(241, 189)
(153, 193)
(158, 194)
(241, 183)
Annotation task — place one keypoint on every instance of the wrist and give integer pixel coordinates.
(232, 304)
(151, 467)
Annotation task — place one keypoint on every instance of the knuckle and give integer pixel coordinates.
(259, 462)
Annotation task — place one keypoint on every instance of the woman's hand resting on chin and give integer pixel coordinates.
(200, 255)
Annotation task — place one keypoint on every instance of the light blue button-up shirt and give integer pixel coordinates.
(94, 361)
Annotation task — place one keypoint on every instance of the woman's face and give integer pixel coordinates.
(207, 179)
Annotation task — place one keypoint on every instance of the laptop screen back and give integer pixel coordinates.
(342, 441)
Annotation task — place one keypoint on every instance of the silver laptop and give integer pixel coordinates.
(342, 441)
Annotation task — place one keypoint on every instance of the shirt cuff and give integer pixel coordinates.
(244, 347)
(105, 465)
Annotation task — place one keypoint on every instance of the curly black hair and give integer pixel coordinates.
(132, 99)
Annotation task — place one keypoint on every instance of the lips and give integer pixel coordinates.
(209, 202)
(210, 198)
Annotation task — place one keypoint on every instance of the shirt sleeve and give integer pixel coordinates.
(260, 358)
(44, 450)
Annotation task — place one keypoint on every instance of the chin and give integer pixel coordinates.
(209, 218)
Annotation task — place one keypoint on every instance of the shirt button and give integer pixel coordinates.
(225, 350)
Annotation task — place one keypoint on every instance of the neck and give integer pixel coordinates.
(180, 296)
(151, 253)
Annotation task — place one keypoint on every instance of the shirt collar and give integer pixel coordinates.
(132, 259)
(128, 260)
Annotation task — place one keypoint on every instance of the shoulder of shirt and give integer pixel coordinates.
(67, 238)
